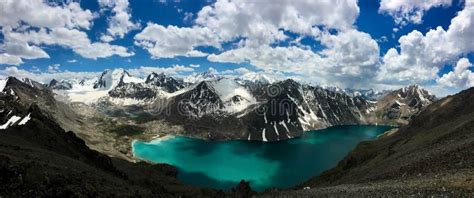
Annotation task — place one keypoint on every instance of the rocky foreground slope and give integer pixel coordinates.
(40, 159)
(432, 155)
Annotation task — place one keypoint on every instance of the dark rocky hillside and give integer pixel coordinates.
(40, 159)
(434, 155)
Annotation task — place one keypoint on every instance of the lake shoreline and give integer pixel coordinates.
(192, 155)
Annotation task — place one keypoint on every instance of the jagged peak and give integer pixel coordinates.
(11, 80)
(290, 82)
(415, 89)
(53, 81)
(203, 76)
(255, 78)
(155, 75)
(112, 78)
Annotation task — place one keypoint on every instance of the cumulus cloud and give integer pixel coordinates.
(291, 59)
(171, 41)
(120, 23)
(39, 14)
(8, 59)
(409, 11)
(41, 24)
(349, 55)
(227, 21)
(461, 77)
(70, 38)
(262, 20)
(350, 52)
(54, 68)
(45, 77)
(421, 56)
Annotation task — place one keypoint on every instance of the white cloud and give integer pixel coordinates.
(412, 65)
(171, 41)
(120, 23)
(247, 74)
(262, 20)
(461, 77)
(254, 28)
(173, 70)
(194, 65)
(349, 55)
(409, 11)
(40, 23)
(291, 59)
(226, 21)
(8, 59)
(69, 38)
(242, 70)
(422, 56)
(39, 14)
(72, 61)
(188, 16)
(15, 46)
(45, 77)
(54, 68)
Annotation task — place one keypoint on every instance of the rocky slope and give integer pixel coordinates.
(398, 107)
(40, 159)
(432, 155)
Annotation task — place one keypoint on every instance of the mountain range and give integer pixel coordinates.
(255, 107)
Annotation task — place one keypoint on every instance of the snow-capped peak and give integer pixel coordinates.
(109, 79)
(168, 83)
(199, 77)
(255, 78)
(3, 83)
(227, 88)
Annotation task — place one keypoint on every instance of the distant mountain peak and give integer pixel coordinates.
(168, 83)
(198, 77)
(59, 85)
(109, 79)
(416, 90)
(255, 78)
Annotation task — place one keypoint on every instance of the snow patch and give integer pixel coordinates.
(227, 88)
(276, 129)
(284, 125)
(264, 138)
(3, 83)
(132, 79)
(25, 119)
(10, 122)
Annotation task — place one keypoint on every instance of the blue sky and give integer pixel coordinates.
(337, 50)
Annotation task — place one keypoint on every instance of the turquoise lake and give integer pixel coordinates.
(222, 164)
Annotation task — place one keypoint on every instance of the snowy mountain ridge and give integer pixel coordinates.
(221, 107)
